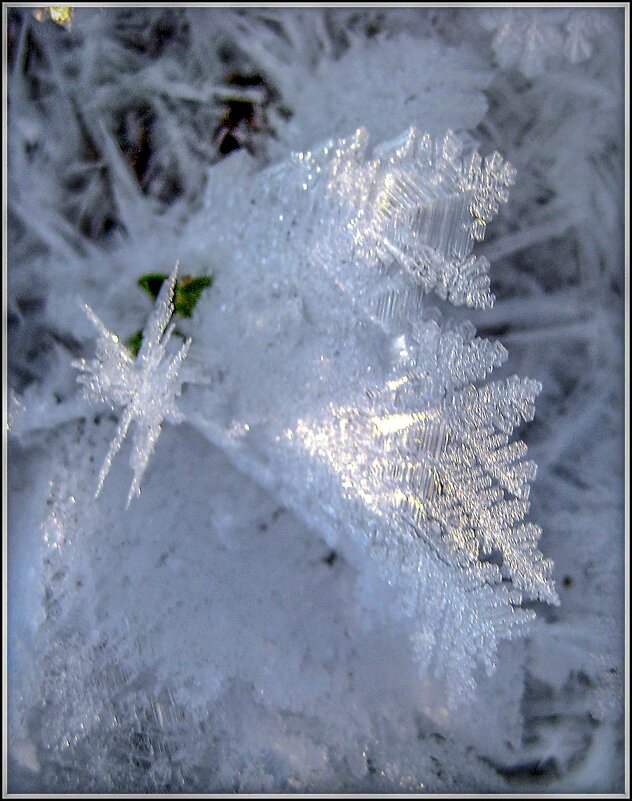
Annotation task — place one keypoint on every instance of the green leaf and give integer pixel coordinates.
(151, 283)
(187, 290)
(135, 341)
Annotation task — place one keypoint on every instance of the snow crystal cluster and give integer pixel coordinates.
(342, 573)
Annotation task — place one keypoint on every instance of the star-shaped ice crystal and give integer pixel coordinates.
(146, 386)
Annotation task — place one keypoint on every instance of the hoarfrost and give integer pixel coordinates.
(228, 634)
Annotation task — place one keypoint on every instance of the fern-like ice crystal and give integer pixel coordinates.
(419, 465)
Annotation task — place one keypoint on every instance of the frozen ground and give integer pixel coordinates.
(218, 635)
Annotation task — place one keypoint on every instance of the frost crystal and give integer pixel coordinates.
(419, 202)
(422, 470)
(529, 38)
(146, 387)
(386, 436)
(209, 640)
(421, 464)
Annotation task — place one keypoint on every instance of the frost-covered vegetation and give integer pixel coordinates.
(340, 572)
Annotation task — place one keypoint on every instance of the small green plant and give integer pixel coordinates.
(187, 293)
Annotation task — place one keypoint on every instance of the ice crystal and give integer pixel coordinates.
(530, 38)
(387, 437)
(146, 387)
(450, 466)
(356, 89)
(419, 202)
(422, 470)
